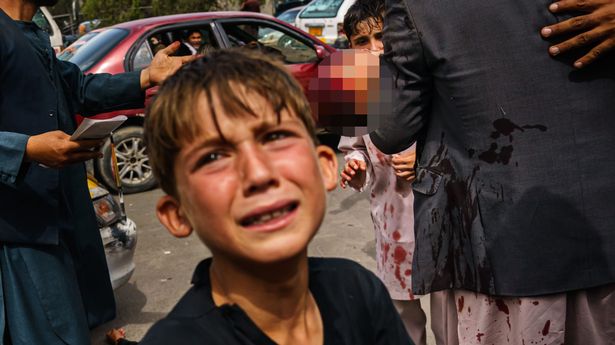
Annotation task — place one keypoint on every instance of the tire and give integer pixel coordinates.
(133, 163)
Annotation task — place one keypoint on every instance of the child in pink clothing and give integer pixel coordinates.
(391, 198)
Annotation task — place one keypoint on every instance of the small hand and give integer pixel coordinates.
(353, 174)
(114, 335)
(596, 28)
(164, 65)
(403, 165)
(56, 150)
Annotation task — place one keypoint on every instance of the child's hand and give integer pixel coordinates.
(353, 174)
(403, 165)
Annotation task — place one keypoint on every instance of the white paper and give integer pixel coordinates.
(97, 128)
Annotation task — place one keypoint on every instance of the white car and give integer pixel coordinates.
(45, 21)
(323, 18)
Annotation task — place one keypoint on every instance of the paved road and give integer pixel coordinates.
(165, 263)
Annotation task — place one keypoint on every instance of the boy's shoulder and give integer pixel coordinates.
(346, 275)
(192, 318)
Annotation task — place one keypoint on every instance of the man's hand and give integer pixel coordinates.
(595, 28)
(163, 65)
(403, 165)
(353, 174)
(56, 150)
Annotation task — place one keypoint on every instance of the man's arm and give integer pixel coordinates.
(403, 51)
(98, 93)
(595, 28)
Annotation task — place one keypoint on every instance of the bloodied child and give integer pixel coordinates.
(237, 156)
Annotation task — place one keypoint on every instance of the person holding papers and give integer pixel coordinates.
(54, 279)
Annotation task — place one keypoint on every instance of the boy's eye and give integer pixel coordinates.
(277, 135)
(360, 42)
(378, 36)
(208, 158)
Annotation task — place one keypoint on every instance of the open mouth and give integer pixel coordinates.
(269, 216)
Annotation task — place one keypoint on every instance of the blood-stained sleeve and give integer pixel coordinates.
(403, 52)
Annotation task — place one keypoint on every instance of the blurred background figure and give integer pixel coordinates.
(251, 6)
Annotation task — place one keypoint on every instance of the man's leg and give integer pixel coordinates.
(414, 319)
(444, 317)
(41, 297)
(590, 316)
(485, 319)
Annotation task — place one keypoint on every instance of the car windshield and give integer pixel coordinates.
(322, 9)
(96, 48)
(289, 16)
(68, 53)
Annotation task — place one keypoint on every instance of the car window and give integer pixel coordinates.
(143, 57)
(68, 53)
(96, 48)
(289, 16)
(321, 9)
(271, 40)
(161, 39)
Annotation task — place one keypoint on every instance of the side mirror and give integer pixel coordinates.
(321, 52)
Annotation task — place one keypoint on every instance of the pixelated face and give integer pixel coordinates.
(369, 37)
(348, 84)
(257, 192)
(195, 39)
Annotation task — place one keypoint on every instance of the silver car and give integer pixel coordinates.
(119, 236)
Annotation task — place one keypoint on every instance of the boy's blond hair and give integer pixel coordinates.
(170, 120)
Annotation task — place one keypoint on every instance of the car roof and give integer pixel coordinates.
(186, 17)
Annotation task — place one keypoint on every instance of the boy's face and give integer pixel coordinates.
(368, 36)
(260, 195)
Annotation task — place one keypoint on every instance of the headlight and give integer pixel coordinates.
(107, 210)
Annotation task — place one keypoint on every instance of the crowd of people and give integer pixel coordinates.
(490, 183)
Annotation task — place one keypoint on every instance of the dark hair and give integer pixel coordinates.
(170, 121)
(363, 11)
(192, 31)
(251, 6)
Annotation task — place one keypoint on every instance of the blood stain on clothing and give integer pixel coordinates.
(479, 335)
(396, 235)
(545, 329)
(535, 303)
(408, 273)
(399, 255)
(392, 209)
(460, 303)
(398, 276)
(501, 306)
(387, 247)
(508, 322)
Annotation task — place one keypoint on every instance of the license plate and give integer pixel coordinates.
(315, 30)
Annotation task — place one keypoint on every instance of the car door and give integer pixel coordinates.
(298, 51)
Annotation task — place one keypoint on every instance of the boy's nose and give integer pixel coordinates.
(256, 171)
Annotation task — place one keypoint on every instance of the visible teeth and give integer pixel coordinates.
(268, 216)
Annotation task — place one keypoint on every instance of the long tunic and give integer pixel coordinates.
(55, 281)
(391, 202)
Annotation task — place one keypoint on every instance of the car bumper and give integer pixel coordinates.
(120, 240)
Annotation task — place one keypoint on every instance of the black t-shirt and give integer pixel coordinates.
(354, 305)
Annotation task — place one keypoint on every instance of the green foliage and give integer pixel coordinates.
(117, 11)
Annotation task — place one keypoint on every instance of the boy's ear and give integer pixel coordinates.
(328, 166)
(171, 216)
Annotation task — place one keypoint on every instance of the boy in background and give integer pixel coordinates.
(232, 143)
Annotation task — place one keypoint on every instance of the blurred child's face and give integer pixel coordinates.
(259, 196)
(369, 37)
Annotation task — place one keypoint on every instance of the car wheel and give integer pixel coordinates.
(133, 163)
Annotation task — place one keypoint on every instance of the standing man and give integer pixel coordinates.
(54, 279)
(514, 192)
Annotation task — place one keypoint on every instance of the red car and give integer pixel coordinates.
(130, 46)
